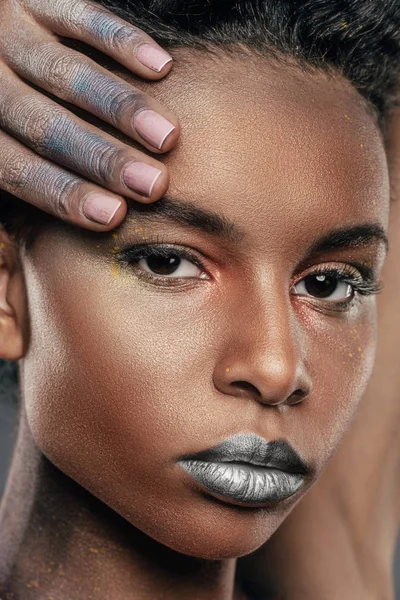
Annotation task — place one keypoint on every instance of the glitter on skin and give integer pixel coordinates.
(115, 270)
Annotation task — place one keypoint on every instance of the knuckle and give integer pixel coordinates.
(45, 131)
(103, 164)
(64, 190)
(60, 71)
(106, 26)
(36, 127)
(120, 103)
(119, 36)
(74, 12)
(14, 174)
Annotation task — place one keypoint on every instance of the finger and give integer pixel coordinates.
(55, 133)
(56, 191)
(77, 79)
(80, 81)
(93, 24)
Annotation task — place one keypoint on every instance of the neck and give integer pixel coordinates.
(56, 537)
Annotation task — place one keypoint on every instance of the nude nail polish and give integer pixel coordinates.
(153, 57)
(100, 208)
(152, 127)
(140, 177)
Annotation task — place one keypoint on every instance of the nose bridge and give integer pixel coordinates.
(267, 352)
(275, 339)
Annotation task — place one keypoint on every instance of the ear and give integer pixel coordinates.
(13, 304)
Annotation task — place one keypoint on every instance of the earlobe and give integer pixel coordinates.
(12, 301)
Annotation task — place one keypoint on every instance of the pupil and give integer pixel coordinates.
(321, 286)
(163, 265)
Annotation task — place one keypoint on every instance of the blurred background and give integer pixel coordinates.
(8, 428)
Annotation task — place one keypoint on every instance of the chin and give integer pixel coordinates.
(219, 531)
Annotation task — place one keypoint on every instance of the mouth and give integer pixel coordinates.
(247, 470)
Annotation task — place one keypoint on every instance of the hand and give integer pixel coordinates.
(38, 136)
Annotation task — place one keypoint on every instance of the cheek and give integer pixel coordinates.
(342, 353)
(122, 358)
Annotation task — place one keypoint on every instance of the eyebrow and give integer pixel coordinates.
(350, 237)
(190, 215)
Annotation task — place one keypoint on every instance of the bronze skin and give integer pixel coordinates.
(125, 371)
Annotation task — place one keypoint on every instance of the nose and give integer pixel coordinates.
(265, 357)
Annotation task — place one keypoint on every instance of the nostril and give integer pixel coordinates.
(297, 397)
(247, 387)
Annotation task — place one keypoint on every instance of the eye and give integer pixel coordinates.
(163, 263)
(171, 265)
(326, 286)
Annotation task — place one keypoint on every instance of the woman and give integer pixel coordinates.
(270, 362)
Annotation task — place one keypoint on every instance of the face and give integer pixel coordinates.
(196, 369)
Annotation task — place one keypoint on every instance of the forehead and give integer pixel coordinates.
(261, 139)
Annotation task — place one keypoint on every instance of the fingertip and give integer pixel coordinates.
(160, 187)
(118, 216)
(172, 138)
(157, 131)
(157, 60)
(166, 68)
(156, 75)
(158, 190)
(102, 211)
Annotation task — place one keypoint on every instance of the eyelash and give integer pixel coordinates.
(134, 254)
(362, 285)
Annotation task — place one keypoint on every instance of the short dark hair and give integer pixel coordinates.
(358, 38)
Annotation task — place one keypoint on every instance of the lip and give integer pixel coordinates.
(247, 470)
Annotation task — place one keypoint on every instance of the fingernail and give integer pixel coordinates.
(152, 56)
(100, 208)
(153, 127)
(141, 177)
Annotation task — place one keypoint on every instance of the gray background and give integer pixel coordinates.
(8, 423)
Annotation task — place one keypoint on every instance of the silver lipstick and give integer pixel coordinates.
(245, 469)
